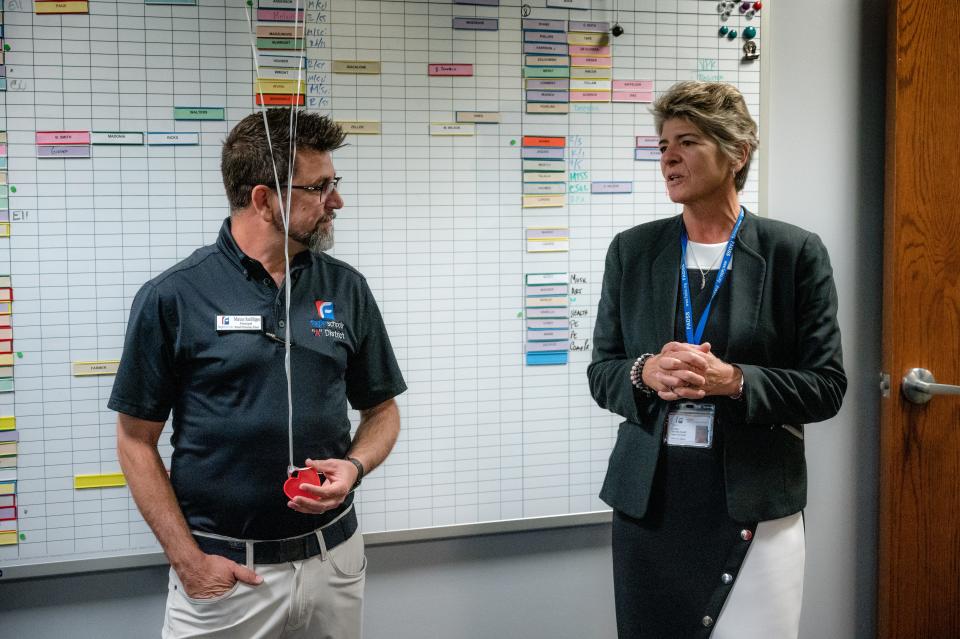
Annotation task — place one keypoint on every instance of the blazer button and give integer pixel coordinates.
(746, 534)
(726, 578)
(707, 621)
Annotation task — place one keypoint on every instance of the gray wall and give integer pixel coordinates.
(825, 151)
(826, 174)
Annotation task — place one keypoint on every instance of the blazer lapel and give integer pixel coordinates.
(666, 277)
(746, 293)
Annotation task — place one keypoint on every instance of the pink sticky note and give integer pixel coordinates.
(632, 96)
(589, 96)
(63, 137)
(602, 52)
(450, 69)
(3, 150)
(589, 61)
(279, 15)
(648, 140)
(633, 85)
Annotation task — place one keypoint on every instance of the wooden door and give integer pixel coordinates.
(919, 554)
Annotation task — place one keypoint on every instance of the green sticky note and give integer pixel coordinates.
(546, 72)
(198, 113)
(279, 43)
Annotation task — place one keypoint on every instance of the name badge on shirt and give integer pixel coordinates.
(691, 424)
(239, 323)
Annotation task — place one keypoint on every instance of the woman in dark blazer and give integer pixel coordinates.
(716, 339)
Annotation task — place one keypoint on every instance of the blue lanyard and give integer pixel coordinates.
(694, 338)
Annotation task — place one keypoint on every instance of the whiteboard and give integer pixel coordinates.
(476, 250)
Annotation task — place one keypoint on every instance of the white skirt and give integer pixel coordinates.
(765, 600)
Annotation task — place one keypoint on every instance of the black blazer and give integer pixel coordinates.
(783, 335)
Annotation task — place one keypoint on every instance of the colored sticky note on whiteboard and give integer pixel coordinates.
(545, 48)
(279, 99)
(647, 154)
(360, 127)
(534, 140)
(479, 117)
(103, 480)
(589, 96)
(450, 69)
(357, 67)
(633, 85)
(548, 108)
(569, 4)
(63, 137)
(452, 128)
(280, 15)
(611, 187)
(104, 367)
(538, 24)
(632, 96)
(476, 24)
(46, 7)
(595, 27)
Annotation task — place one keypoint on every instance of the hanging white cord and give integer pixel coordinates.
(284, 207)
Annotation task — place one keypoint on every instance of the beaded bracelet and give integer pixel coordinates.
(636, 375)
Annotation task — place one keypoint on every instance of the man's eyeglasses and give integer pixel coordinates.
(324, 189)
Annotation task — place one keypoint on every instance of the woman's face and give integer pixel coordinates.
(694, 168)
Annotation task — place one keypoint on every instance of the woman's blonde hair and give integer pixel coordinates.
(717, 109)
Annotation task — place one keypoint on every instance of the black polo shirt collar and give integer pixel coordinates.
(251, 268)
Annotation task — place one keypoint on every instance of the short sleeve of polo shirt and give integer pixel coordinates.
(373, 375)
(145, 384)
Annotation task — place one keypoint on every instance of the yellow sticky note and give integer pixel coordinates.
(360, 127)
(543, 201)
(8, 537)
(102, 367)
(104, 480)
(72, 6)
(8, 423)
(280, 86)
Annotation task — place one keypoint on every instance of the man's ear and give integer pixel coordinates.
(263, 201)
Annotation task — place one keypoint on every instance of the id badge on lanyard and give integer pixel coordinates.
(691, 424)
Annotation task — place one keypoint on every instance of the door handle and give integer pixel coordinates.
(919, 386)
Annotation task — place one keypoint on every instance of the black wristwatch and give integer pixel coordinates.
(356, 462)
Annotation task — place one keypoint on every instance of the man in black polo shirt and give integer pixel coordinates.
(207, 340)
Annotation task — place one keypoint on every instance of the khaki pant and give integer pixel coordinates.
(317, 598)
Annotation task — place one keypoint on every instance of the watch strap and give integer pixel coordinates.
(356, 462)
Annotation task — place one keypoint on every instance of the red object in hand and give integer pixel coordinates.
(301, 476)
